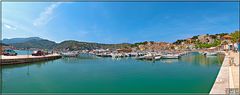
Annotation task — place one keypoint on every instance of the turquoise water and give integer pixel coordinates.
(23, 52)
(190, 74)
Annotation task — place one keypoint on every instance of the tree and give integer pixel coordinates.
(195, 37)
(235, 36)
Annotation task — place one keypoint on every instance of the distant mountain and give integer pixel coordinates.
(2, 44)
(20, 40)
(35, 43)
(75, 45)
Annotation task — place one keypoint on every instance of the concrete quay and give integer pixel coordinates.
(227, 81)
(21, 59)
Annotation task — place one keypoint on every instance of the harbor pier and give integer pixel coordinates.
(21, 59)
(227, 81)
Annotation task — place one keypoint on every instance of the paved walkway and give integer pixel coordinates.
(235, 70)
(228, 77)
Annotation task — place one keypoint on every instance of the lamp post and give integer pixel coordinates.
(28, 63)
(28, 51)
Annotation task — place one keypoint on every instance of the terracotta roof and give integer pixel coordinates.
(227, 36)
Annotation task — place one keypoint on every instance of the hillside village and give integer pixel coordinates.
(219, 41)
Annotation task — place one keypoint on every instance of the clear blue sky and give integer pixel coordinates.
(118, 22)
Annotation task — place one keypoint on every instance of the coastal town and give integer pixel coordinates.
(209, 45)
(206, 45)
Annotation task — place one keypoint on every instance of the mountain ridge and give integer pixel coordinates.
(20, 40)
(39, 43)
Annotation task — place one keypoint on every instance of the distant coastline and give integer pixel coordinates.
(195, 42)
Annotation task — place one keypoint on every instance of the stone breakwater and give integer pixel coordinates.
(21, 59)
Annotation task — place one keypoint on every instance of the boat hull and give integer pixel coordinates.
(170, 57)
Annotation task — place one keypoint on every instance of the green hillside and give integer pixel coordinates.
(75, 45)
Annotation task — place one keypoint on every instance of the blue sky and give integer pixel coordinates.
(117, 22)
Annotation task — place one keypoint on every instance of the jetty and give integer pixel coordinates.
(227, 81)
(21, 59)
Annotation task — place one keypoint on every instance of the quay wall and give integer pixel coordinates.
(227, 81)
(27, 59)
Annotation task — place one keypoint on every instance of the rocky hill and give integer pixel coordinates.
(76, 45)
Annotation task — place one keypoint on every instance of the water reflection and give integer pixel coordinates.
(169, 61)
(37, 64)
(196, 58)
(28, 73)
(192, 58)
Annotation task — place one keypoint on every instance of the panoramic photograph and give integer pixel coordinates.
(120, 48)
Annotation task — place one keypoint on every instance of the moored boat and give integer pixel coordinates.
(170, 56)
(70, 54)
(104, 55)
(149, 56)
(157, 57)
(118, 55)
(211, 53)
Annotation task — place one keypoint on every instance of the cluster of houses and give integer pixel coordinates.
(226, 42)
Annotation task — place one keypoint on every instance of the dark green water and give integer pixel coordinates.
(190, 74)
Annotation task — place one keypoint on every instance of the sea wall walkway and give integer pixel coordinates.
(227, 81)
(20, 59)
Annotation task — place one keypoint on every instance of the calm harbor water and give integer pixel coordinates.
(193, 73)
(24, 52)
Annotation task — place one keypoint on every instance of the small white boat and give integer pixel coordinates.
(170, 56)
(118, 55)
(157, 57)
(104, 55)
(211, 53)
(149, 57)
(140, 57)
(70, 54)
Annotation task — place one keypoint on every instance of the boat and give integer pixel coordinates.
(104, 55)
(147, 56)
(118, 55)
(170, 56)
(70, 54)
(150, 57)
(157, 57)
(211, 54)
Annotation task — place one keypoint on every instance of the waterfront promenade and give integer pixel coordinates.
(20, 59)
(227, 81)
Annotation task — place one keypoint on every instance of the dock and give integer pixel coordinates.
(21, 59)
(227, 81)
